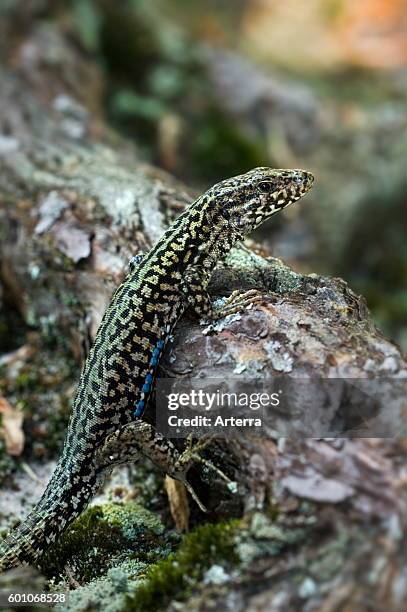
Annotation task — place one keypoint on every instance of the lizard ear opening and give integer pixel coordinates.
(227, 210)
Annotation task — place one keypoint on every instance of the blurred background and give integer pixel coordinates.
(207, 90)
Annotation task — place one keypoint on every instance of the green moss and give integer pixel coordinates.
(180, 574)
(133, 520)
(85, 541)
(123, 554)
(104, 536)
(231, 545)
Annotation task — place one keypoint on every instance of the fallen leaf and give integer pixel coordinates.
(179, 507)
(11, 428)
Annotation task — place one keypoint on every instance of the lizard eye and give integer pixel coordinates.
(266, 186)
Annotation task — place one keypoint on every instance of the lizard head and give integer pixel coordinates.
(244, 202)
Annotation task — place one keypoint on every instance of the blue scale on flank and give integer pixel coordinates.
(149, 378)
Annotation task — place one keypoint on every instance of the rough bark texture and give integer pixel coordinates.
(76, 204)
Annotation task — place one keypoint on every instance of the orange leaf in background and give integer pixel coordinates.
(291, 33)
(374, 32)
(11, 428)
(327, 34)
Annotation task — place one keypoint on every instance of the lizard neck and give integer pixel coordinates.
(197, 238)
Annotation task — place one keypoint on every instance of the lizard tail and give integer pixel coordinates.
(24, 543)
(59, 505)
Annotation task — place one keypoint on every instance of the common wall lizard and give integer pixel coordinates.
(116, 383)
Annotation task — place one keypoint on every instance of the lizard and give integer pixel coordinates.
(106, 427)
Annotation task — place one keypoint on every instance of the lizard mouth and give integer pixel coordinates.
(301, 184)
(306, 180)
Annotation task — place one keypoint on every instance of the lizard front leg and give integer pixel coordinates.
(194, 288)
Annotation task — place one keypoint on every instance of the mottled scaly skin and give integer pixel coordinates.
(116, 380)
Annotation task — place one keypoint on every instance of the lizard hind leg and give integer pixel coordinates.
(139, 439)
(118, 448)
